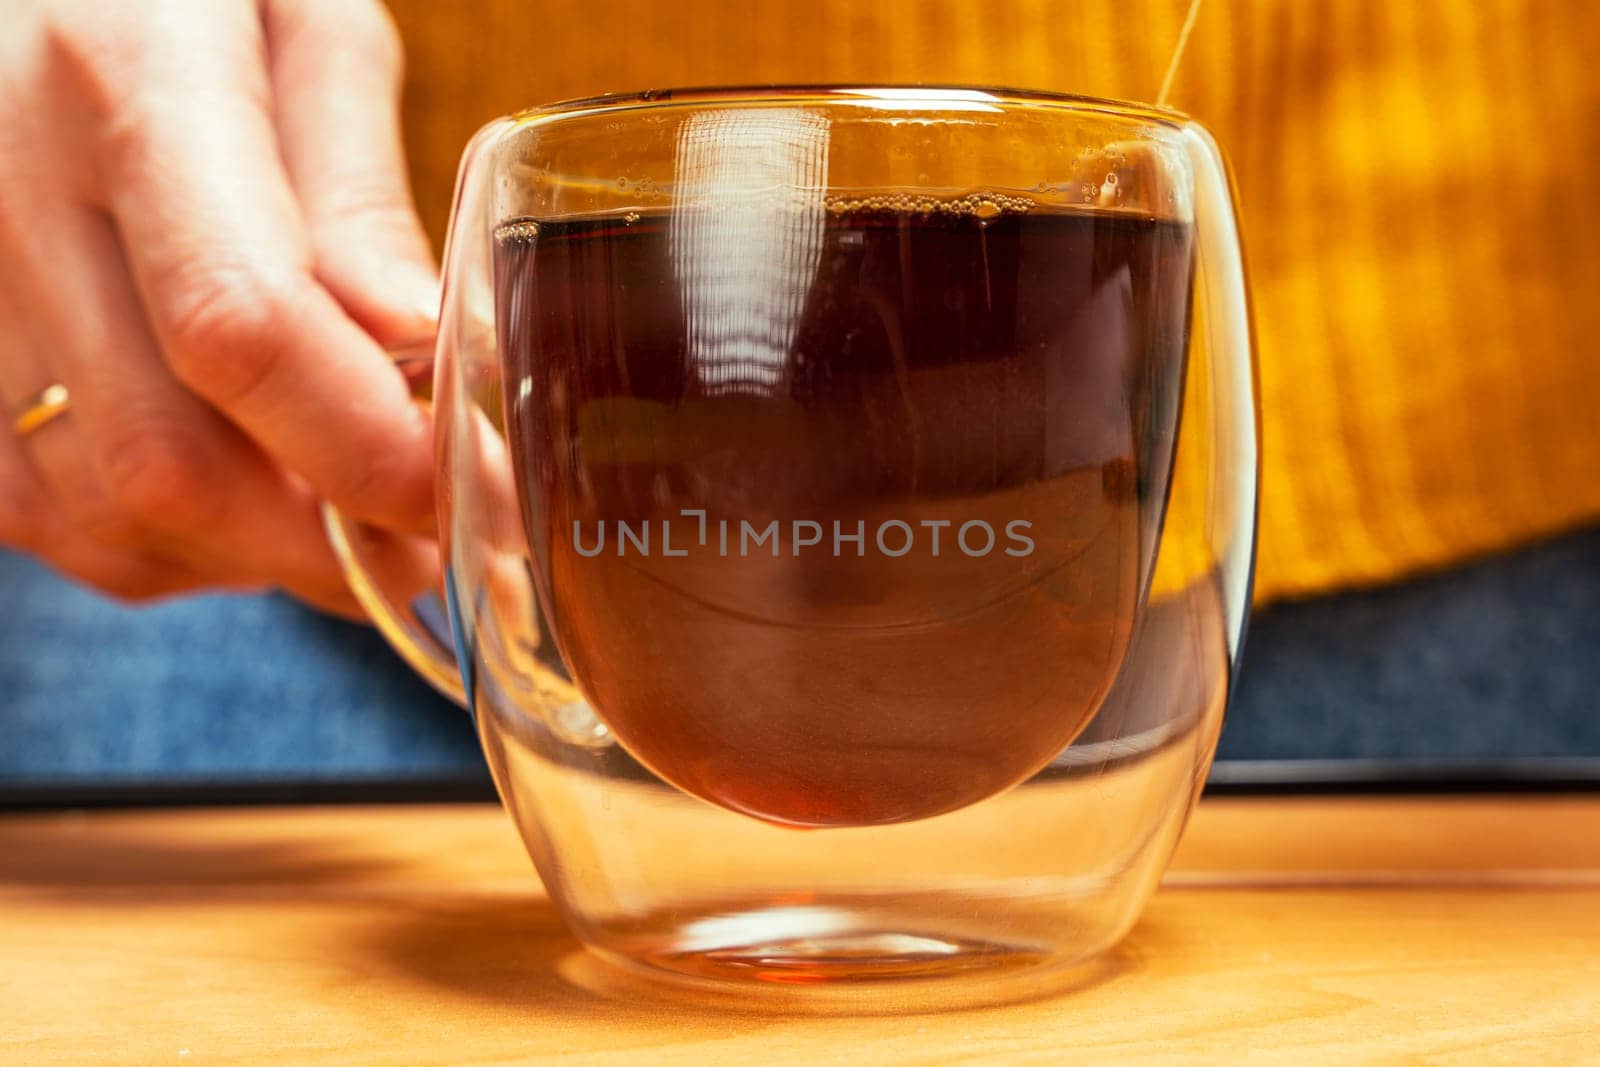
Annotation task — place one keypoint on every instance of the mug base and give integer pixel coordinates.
(829, 957)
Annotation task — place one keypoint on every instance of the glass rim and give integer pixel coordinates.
(886, 96)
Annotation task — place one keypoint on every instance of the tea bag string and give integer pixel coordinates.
(1177, 52)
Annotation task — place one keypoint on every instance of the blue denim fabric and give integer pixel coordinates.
(1495, 660)
(1498, 659)
(215, 688)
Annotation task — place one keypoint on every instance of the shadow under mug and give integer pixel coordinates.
(716, 371)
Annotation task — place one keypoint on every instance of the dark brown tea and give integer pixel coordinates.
(841, 513)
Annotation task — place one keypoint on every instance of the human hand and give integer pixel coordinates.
(206, 234)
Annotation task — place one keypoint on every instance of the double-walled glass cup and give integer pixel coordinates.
(847, 502)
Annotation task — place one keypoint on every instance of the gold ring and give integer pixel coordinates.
(48, 404)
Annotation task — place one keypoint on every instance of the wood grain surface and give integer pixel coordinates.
(1405, 931)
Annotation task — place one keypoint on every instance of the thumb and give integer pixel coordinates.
(336, 72)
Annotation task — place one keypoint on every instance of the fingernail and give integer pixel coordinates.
(416, 290)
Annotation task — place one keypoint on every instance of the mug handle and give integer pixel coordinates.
(420, 631)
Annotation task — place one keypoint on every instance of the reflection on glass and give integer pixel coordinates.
(746, 234)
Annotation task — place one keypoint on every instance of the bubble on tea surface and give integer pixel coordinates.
(1134, 176)
(979, 205)
(519, 230)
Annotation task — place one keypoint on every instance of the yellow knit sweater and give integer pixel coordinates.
(1418, 184)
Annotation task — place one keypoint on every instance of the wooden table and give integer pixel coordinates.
(1297, 931)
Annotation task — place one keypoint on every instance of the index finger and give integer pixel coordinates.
(215, 240)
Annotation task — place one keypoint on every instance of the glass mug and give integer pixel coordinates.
(847, 509)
